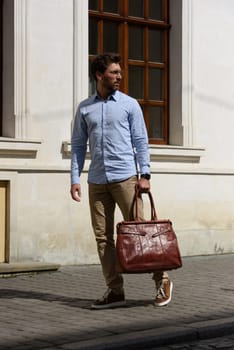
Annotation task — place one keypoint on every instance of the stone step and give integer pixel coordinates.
(27, 267)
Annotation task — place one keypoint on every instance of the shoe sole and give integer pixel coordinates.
(109, 306)
(164, 303)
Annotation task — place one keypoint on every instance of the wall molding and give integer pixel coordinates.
(20, 68)
(158, 153)
(187, 73)
(80, 51)
(18, 148)
(176, 154)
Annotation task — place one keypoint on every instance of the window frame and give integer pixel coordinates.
(124, 20)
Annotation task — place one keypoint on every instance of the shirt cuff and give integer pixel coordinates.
(75, 180)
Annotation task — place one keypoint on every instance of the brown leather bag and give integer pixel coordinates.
(146, 246)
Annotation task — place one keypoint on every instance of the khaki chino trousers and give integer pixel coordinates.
(103, 199)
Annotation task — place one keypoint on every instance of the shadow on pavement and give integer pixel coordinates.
(68, 301)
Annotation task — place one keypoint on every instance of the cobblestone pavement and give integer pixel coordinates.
(52, 310)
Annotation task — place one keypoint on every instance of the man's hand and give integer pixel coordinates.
(143, 185)
(76, 192)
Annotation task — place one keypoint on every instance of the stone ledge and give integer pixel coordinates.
(158, 153)
(19, 148)
(14, 268)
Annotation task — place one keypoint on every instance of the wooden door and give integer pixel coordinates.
(3, 213)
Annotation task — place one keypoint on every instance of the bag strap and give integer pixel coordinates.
(153, 210)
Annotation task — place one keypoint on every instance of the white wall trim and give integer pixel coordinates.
(20, 68)
(187, 73)
(175, 154)
(156, 170)
(19, 148)
(161, 153)
(80, 52)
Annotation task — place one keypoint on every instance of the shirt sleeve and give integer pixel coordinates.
(78, 147)
(139, 138)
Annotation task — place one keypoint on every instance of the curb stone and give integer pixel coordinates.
(158, 337)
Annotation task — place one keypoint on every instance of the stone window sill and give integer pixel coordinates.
(160, 153)
(10, 147)
(178, 154)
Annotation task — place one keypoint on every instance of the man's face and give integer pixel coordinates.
(111, 78)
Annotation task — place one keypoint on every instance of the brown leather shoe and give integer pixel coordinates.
(164, 293)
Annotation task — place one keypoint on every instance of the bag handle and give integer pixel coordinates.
(153, 210)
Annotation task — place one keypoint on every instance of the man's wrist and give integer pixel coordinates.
(146, 176)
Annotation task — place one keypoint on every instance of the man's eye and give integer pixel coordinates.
(116, 72)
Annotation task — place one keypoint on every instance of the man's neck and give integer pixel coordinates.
(104, 94)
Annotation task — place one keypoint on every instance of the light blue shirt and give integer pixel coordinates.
(114, 128)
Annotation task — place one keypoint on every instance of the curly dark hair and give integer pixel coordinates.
(101, 62)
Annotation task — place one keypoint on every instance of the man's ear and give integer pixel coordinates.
(99, 76)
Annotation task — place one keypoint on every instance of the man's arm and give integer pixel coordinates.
(141, 144)
(78, 150)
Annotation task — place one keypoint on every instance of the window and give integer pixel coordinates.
(139, 31)
(7, 76)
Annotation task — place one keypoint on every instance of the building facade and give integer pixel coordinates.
(45, 74)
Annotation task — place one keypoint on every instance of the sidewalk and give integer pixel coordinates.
(49, 311)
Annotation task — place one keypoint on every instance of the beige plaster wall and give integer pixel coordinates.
(50, 227)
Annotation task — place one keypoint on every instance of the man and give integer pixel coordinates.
(113, 124)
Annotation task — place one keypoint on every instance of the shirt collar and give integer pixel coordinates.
(114, 96)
